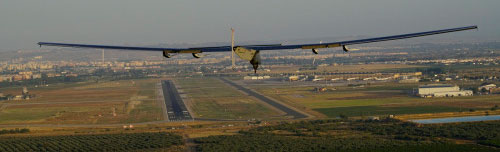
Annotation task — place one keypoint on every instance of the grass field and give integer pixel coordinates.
(211, 98)
(86, 103)
(378, 99)
(381, 110)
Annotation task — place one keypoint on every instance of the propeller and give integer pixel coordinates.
(232, 49)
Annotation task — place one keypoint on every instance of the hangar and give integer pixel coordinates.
(442, 90)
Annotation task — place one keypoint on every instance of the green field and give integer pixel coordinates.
(211, 98)
(380, 110)
(375, 99)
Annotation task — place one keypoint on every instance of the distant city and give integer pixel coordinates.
(71, 64)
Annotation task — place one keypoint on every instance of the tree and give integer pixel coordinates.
(343, 116)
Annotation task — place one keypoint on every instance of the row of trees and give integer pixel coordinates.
(364, 135)
(271, 142)
(104, 142)
(14, 131)
(469, 131)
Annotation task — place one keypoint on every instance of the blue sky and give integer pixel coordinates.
(133, 22)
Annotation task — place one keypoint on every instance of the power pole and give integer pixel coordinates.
(232, 50)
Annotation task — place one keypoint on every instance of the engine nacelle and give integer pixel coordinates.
(345, 48)
(315, 51)
(165, 54)
(196, 55)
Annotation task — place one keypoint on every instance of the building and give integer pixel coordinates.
(7, 78)
(411, 80)
(25, 91)
(293, 78)
(442, 90)
(25, 95)
(486, 87)
(256, 77)
(17, 78)
(454, 93)
(335, 79)
(352, 79)
(318, 79)
(373, 118)
(3, 97)
(18, 97)
(320, 89)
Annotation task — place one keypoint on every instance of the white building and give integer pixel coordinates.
(352, 79)
(5, 78)
(318, 79)
(454, 93)
(487, 87)
(442, 90)
(335, 79)
(293, 78)
(256, 77)
(412, 80)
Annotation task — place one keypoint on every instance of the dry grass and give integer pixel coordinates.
(211, 98)
(87, 103)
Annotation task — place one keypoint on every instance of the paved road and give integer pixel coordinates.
(288, 111)
(176, 110)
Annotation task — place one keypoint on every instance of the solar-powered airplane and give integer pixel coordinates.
(251, 52)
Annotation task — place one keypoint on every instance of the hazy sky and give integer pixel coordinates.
(25, 22)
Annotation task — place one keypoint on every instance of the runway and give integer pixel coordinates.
(176, 110)
(288, 111)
